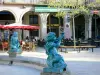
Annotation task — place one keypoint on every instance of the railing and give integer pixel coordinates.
(26, 1)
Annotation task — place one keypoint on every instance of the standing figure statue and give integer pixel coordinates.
(14, 47)
(55, 61)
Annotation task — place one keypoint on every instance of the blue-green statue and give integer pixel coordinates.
(55, 61)
(14, 44)
(15, 47)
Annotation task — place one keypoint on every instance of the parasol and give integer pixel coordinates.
(1, 26)
(20, 26)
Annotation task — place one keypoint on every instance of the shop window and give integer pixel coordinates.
(33, 19)
(54, 20)
(61, 21)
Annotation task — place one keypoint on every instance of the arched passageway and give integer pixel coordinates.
(53, 23)
(6, 17)
(30, 18)
(95, 26)
(80, 27)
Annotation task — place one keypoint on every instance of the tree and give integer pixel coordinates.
(74, 7)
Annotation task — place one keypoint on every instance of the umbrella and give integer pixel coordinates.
(1, 26)
(20, 26)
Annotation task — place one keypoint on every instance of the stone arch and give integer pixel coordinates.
(32, 13)
(78, 28)
(9, 10)
(95, 25)
(54, 23)
(23, 13)
(86, 15)
(26, 11)
(29, 33)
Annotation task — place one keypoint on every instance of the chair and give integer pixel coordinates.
(25, 46)
(5, 45)
(28, 46)
(33, 46)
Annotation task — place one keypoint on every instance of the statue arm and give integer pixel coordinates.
(61, 37)
(58, 40)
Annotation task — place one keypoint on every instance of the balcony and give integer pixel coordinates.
(27, 2)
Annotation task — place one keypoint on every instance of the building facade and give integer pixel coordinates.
(35, 12)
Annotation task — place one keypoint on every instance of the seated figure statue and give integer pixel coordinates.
(14, 44)
(14, 47)
(55, 61)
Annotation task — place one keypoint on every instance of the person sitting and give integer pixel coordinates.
(98, 37)
(27, 39)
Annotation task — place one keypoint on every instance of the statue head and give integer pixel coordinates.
(51, 36)
(15, 34)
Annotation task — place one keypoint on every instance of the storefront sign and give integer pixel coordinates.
(49, 9)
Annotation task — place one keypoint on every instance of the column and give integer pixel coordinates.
(17, 20)
(26, 21)
(86, 27)
(90, 26)
(43, 24)
(67, 30)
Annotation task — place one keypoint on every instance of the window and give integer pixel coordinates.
(54, 20)
(33, 19)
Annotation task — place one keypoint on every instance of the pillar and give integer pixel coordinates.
(26, 21)
(90, 26)
(43, 24)
(67, 30)
(17, 20)
(86, 27)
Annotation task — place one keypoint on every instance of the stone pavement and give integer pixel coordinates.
(83, 63)
(18, 69)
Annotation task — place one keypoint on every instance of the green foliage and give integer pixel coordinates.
(76, 6)
(98, 1)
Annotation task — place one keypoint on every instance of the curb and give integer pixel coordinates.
(27, 60)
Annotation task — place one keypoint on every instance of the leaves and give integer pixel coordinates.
(76, 6)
